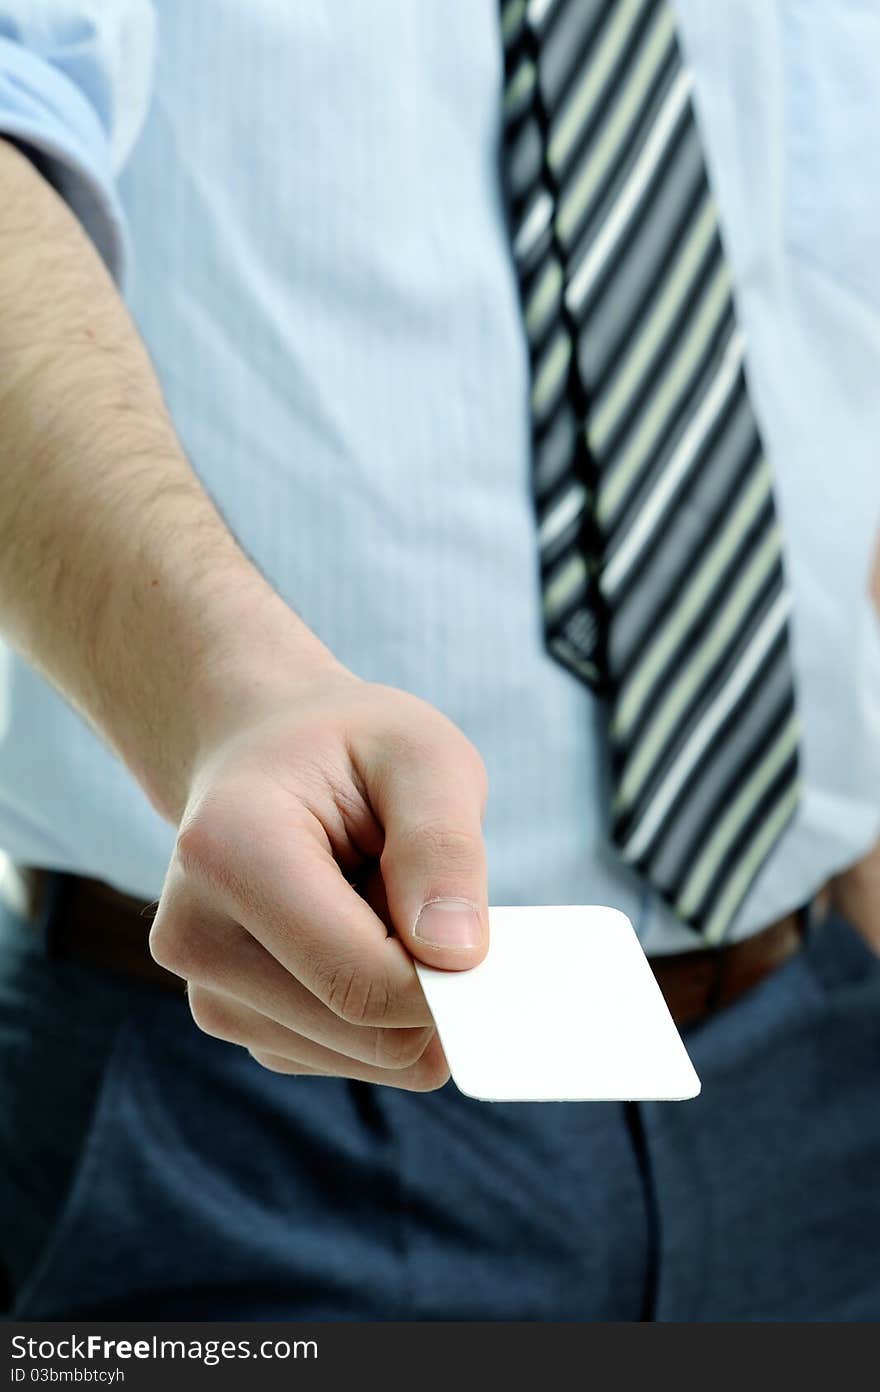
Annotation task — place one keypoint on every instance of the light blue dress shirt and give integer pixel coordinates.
(301, 202)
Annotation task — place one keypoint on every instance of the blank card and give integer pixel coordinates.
(564, 1008)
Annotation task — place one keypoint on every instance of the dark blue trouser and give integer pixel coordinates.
(149, 1172)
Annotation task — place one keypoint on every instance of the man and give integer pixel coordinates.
(285, 738)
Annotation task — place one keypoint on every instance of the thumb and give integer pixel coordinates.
(434, 859)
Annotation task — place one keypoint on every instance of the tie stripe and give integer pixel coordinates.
(593, 65)
(764, 829)
(566, 514)
(668, 652)
(601, 168)
(512, 16)
(635, 189)
(716, 778)
(544, 298)
(664, 404)
(660, 550)
(698, 256)
(730, 823)
(696, 550)
(663, 490)
(666, 720)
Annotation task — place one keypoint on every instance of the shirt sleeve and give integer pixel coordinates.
(75, 84)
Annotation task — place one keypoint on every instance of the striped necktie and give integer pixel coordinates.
(660, 550)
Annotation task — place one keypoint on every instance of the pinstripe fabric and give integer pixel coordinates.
(660, 550)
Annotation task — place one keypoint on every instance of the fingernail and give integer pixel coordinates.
(448, 923)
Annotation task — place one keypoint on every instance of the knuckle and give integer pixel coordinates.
(445, 845)
(215, 851)
(470, 762)
(462, 757)
(421, 737)
(178, 947)
(211, 1013)
(162, 944)
(401, 1048)
(208, 848)
(405, 742)
(201, 847)
(429, 1073)
(272, 1062)
(355, 996)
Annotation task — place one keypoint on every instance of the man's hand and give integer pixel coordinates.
(283, 773)
(341, 781)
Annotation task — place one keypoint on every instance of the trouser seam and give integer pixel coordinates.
(639, 1141)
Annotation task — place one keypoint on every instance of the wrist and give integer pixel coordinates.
(248, 654)
(264, 659)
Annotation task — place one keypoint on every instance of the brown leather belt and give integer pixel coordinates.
(88, 922)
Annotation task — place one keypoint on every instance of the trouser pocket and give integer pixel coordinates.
(65, 1036)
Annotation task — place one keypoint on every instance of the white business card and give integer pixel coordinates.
(564, 1008)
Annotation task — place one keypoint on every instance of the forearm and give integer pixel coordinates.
(118, 578)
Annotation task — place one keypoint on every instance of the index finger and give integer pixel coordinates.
(292, 897)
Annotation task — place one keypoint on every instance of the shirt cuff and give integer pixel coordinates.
(43, 110)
